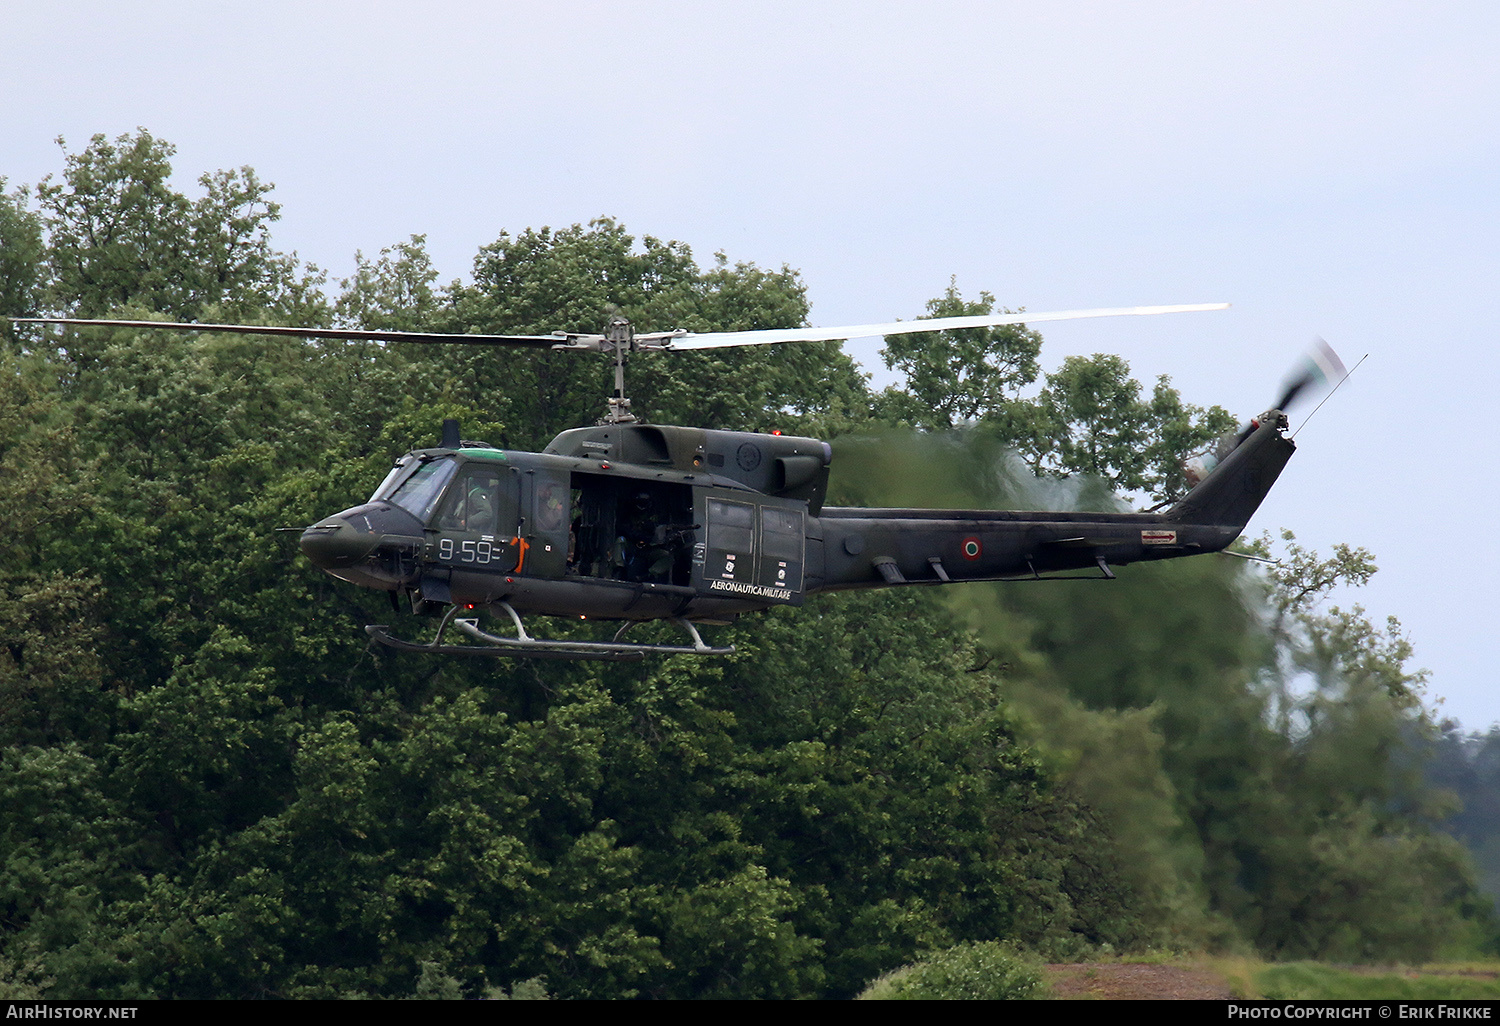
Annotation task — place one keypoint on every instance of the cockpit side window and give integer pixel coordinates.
(484, 502)
(419, 493)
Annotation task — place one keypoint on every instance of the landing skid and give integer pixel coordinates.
(524, 646)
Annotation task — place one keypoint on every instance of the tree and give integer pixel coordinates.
(1253, 757)
(21, 254)
(574, 279)
(1467, 765)
(1089, 417)
(954, 377)
(211, 786)
(119, 235)
(392, 293)
(1099, 424)
(1177, 431)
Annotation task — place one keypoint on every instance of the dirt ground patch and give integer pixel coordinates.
(1136, 982)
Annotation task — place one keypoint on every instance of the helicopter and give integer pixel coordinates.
(632, 522)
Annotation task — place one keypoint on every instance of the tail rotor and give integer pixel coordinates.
(1317, 369)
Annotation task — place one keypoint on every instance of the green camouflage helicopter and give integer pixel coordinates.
(631, 522)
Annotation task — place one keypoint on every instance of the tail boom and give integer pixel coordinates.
(872, 548)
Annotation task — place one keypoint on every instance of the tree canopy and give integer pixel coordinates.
(211, 787)
(1088, 418)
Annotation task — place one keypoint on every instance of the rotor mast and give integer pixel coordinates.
(619, 337)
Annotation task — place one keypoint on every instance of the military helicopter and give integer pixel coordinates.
(632, 522)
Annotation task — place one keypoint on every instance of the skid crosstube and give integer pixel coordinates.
(524, 646)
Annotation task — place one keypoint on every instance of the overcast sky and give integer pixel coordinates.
(1331, 169)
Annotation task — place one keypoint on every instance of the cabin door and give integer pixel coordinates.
(751, 547)
(475, 527)
(545, 499)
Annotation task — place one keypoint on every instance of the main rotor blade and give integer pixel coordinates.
(663, 339)
(345, 334)
(719, 339)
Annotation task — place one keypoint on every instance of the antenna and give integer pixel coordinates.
(1329, 396)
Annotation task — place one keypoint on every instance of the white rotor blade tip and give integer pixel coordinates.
(772, 336)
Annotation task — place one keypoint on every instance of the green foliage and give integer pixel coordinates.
(969, 972)
(1466, 766)
(1298, 800)
(574, 279)
(1097, 424)
(1097, 421)
(534, 989)
(435, 985)
(119, 235)
(1177, 430)
(1300, 579)
(210, 787)
(394, 293)
(1254, 757)
(971, 840)
(953, 377)
(1301, 981)
(1089, 418)
(21, 254)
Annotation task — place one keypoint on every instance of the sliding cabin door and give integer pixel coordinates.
(750, 547)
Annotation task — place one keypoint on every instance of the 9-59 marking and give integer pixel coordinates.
(480, 552)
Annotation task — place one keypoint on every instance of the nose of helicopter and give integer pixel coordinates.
(335, 544)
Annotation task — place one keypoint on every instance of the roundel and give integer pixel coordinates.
(748, 456)
(971, 548)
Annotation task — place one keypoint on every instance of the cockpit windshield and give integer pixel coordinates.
(419, 493)
(400, 470)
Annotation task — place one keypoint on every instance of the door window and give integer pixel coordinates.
(782, 537)
(731, 541)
